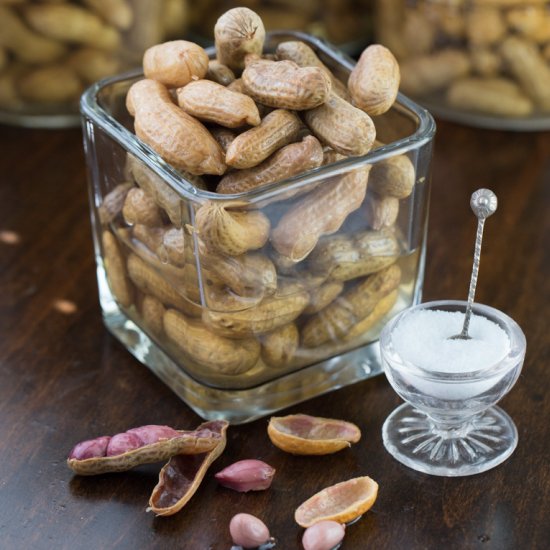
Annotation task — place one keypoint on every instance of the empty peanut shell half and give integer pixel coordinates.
(342, 502)
(180, 478)
(143, 445)
(301, 434)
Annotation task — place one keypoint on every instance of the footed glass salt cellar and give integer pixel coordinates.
(452, 361)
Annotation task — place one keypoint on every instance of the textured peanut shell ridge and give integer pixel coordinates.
(271, 313)
(180, 478)
(374, 81)
(210, 350)
(175, 63)
(319, 213)
(115, 269)
(285, 85)
(187, 443)
(177, 137)
(343, 257)
(280, 345)
(341, 126)
(231, 232)
(212, 102)
(301, 434)
(291, 160)
(342, 502)
(238, 32)
(277, 129)
(333, 322)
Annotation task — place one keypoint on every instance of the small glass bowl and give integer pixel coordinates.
(449, 425)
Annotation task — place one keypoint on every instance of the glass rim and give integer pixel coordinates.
(517, 349)
(91, 110)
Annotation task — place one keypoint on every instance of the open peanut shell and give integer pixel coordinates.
(181, 476)
(342, 502)
(301, 434)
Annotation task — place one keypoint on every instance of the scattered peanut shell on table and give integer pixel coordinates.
(248, 531)
(180, 478)
(342, 502)
(374, 81)
(212, 102)
(301, 434)
(238, 32)
(246, 475)
(143, 445)
(285, 85)
(324, 535)
(175, 63)
(177, 137)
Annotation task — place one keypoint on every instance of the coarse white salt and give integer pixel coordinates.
(422, 338)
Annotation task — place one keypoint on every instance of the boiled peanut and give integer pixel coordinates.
(333, 322)
(116, 12)
(174, 247)
(394, 176)
(341, 126)
(231, 232)
(285, 85)
(209, 349)
(220, 73)
(320, 212)
(238, 32)
(531, 21)
(344, 257)
(250, 274)
(152, 312)
(140, 208)
(418, 33)
(321, 297)
(381, 211)
(24, 43)
(280, 345)
(485, 62)
(92, 64)
(224, 136)
(177, 15)
(304, 56)
(380, 309)
(112, 204)
(177, 137)
(527, 65)
(495, 96)
(113, 261)
(71, 23)
(49, 84)
(429, 73)
(151, 237)
(271, 313)
(485, 26)
(277, 129)
(289, 161)
(212, 102)
(374, 81)
(175, 63)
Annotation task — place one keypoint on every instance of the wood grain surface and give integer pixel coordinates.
(63, 378)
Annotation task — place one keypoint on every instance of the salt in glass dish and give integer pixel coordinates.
(449, 425)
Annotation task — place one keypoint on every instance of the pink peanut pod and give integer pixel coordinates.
(246, 475)
(143, 445)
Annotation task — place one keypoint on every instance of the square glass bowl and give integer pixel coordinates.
(239, 337)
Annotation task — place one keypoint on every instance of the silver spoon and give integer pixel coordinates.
(484, 203)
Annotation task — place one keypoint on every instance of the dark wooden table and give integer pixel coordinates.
(64, 378)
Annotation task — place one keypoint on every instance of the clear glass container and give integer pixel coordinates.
(449, 425)
(346, 23)
(480, 62)
(50, 52)
(241, 336)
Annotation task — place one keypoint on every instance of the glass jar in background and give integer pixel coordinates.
(346, 23)
(50, 52)
(481, 62)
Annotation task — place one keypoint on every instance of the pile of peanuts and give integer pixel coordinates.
(49, 51)
(239, 289)
(339, 21)
(487, 56)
